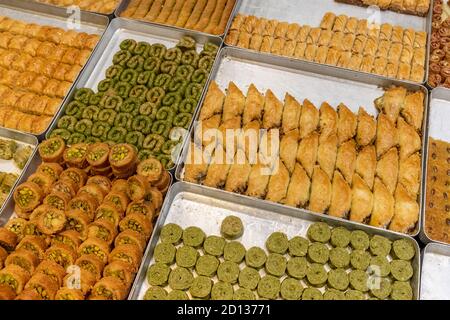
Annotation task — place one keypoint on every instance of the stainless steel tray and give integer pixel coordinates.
(306, 12)
(124, 5)
(119, 30)
(23, 139)
(40, 13)
(192, 205)
(65, 7)
(435, 280)
(439, 115)
(303, 79)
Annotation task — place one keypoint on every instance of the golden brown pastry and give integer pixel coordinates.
(237, 22)
(366, 64)
(366, 164)
(413, 108)
(346, 160)
(196, 167)
(232, 38)
(250, 140)
(404, 71)
(292, 31)
(417, 73)
(273, 111)
(383, 49)
(340, 23)
(254, 105)
(299, 188)
(409, 140)
(291, 113)
(248, 24)
(307, 152)
(244, 39)
(341, 198)
(238, 176)
(302, 35)
(332, 57)
(409, 174)
(321, 55)
(355, 62)
(328, 21)
(348, 41)
(387, 169)
(408, 37)
(327, 154)
(281, 30)
(387, 136)
(383, 205)
(344, 59)
(347, 123)
(310, 52)
(300, 49)
(367, 128)
(258, 181)
(379, 66)
(391, 69)
(288, 149)
(392, 102)
(256, 42)
(325, 38)
(362, 200)
(234, 103)
(278, 184)
(277, 46)
(313, 36)
(321, 191)
(406, 212)
(337, 41)
(385, 31)
(362, 27)
(270, 27)
(259, 27)
(407, 54)
(420, 40)
(395, 52)
(266, 44)
(371, 47)
(359, 44)
(289, 48)
(328, 120)
(351, 26)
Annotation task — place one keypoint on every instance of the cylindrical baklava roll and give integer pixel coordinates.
(138, 188)
(151, 169)
(101, 181)
(120, 185)
(15, 277)
(53, 270)
(156, 198)
(24, 259)
(51, 222)
(78, 176)
(163, 183)
(34, 244)
(58, 200)
(123, 157)
(28, 196)
(92, 264)
(117, 199)
(69, 294)
(137, 222)
(110, 288)
(75, 156)
(44, 181)
(127, 253)
(8, 239)
(110, 213)
(97, 155)
(45, 285)
(131, 237)
(52, 150)
(85, 203)
(6, 292)
(62, 254)
(29, 295)
(17, 225)
(102, 229)
(3, 256)
(145, 208)
(85, 282)
(120, 270)
(95, 246)
(78, 221)
(51, 169)
(70, 237)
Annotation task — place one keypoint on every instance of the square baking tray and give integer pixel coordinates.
(435, 280)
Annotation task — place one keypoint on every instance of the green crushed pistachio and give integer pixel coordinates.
(74, 224)
(74, 176)
(79, 204)
(66, 240)
(59, 257)
(119, 153)
(48, 170)
(117, 274)
(18, 261)
(8, 280)
(41, 291)
(124, 257)
(86, 265)
(102, 291)
(97, 154)
(56, 202)
(76, 152)
(50, 146)
(94, 250)
(25, 196)
(134, 225)
(30, 247)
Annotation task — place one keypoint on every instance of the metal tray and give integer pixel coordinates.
(193, 205)
(124, 5)
(119, 30)
(40, 13)
(23, 139)
(439, 115)
(306, 12)
(109, 14)
(435, 280)
(304, 79)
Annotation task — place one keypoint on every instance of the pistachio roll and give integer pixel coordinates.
(71, 237)
(15, 277)
(93, 190)
(43, 181)
(97, 155)
(69, 294)
(52, 169)
(101, 181)
(109, 213)
(62, 254)
(138, 188)
(137, 222)
(111, 288)
(131, 237)
(52, 150)
(95, 246)
(102, 229)
(34, 244)
(78, 176)
(58, 200)
(120, 270)
(24, 259)
(92, 264)
(141, 207)
(28, 196)
(127, 253)
(117, 199)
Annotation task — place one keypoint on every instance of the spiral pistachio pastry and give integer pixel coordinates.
(178, 84)
(123, 120)
(148, 109)
(152, 64)
(112, 102)
(100, 129)
(174, 55)
(166, 161)
(84, 126)
(117, 134)
(188, 105)
(76, 138)
(191, 58)
(146, 78)
(166, 113)
(135, 138)
(200, 76)
(157, 50)
(114, 72)
(129, 75)
(155, 95)
(162, 127)
(106, 84)
(75, 109)
(108, 116)
(96, 99)
(62, 133)
(163, 81)
(121, 58)
(169, 146)
(210, 49)
(194, 91)
(186, 43)
(83, 95)
(169, 67)
(142, 124)
(130, 105)
(153, 143)
(142, 49)
(206, 63)
(68, 123)
(136, 63)
(90, 113)
(128, 45)
(123, 89)
(138, 92)
(182, 120)
(173, 100)
(145, 154)
(185, 71)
